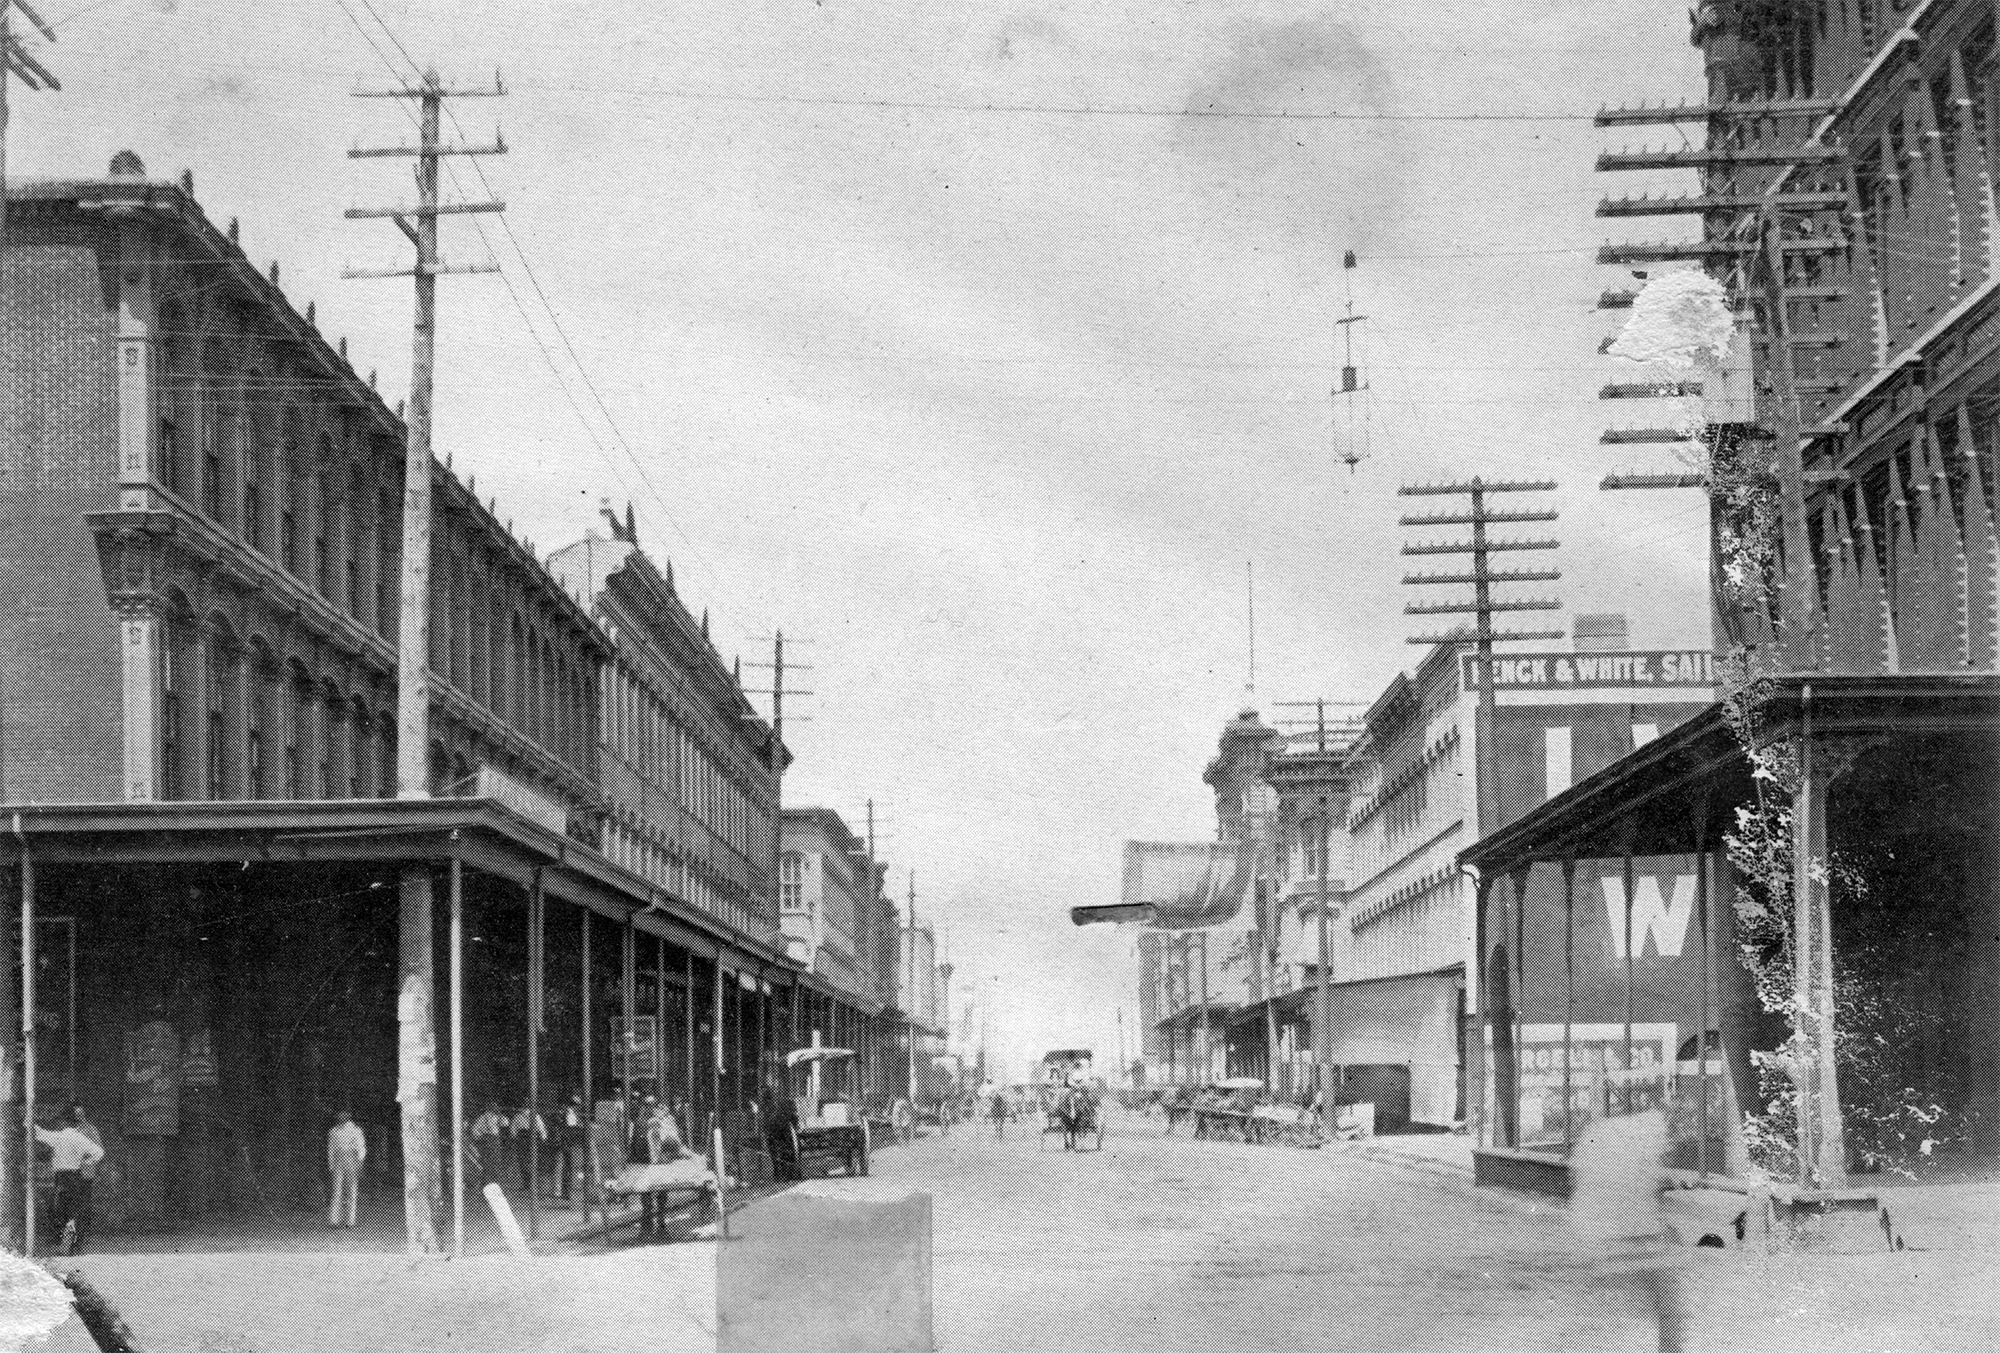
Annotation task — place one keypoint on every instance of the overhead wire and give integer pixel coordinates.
(554, 320)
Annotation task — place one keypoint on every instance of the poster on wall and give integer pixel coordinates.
(635, 1057)
(198, 1068)
(153, 1081)
(1607, 1077)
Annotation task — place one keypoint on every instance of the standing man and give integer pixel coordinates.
(569, 1143)
(346, 1148)
(70, 1151)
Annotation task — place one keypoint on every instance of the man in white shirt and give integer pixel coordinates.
(70, 1151)
(346, 1148)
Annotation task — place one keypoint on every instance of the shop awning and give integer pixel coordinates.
(485, 834)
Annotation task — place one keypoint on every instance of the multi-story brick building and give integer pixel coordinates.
(689, 772)
(844, 930)
(204, 525)
(200, 524)
(1842, 794)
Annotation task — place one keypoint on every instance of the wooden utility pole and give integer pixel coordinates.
(16, 1137)
(1483, 636)
(1482, 607)
(417, 1032)
(912, 968)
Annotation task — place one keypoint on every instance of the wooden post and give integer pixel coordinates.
(1323, 1020)
(589, 1097)
(12, 1142)
(458, 1059)
(628, 978)
(1569, 990)
(1822, 1141)
(535, 1050)
(687, 1030)
(416, 1079)
(715, 1067)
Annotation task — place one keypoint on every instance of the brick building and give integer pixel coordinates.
(844, 930)
(1834, 816)
(200, 521)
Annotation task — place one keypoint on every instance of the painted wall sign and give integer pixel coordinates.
(1574, 671)
(153, 1081)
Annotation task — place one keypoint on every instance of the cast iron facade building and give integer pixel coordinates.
(199, 533)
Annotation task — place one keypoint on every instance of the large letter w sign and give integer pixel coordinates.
(1661, 904)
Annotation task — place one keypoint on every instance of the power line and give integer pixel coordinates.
(1060, 109)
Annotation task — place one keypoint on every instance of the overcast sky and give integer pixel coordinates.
(938, 335)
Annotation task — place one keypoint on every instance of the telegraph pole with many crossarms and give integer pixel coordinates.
(1483, 607)
(417, 1031)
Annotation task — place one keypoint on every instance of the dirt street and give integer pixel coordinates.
(1163, 1242)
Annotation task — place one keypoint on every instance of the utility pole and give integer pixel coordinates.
(912, 965)
(1319, 775)
(417, 1030)
(1483, 608)
(16, 1138)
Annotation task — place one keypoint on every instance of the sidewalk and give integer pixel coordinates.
(1446, 1155)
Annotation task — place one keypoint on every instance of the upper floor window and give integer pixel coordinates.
(169, 455)
(791, 882)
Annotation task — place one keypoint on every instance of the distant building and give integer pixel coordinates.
(838, 923)
(690, 772)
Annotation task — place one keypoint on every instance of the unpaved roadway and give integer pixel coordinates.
(1163, 1242)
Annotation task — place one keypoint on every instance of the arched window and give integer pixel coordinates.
(453, 620)
(176, 405)
(322, 512)
(531, 720)
(178, 743)
(259, 453)
(217, 403)
(385, 750)
(475, 650)
(261, 671)
(333, 743)
(360, 763)
(440, 770)
(224, 672)
(388, 553)
(290, 472)
(461, 778)
(516, 713)
(354, 556)
(298, 729)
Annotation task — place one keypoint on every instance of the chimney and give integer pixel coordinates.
(1599, 633)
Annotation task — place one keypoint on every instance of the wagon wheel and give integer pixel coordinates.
(859, 1154)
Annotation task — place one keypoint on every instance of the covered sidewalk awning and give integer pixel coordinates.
(1645, 802)
(1609, 955)
(1191, 1014)
(482, 834)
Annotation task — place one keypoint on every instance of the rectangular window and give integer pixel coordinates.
(170, 465)
(253, 516)
(211, 484)
(791, 882)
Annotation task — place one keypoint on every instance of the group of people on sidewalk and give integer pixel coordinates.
(496, 1140)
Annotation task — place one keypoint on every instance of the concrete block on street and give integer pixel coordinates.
(832, 1266)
